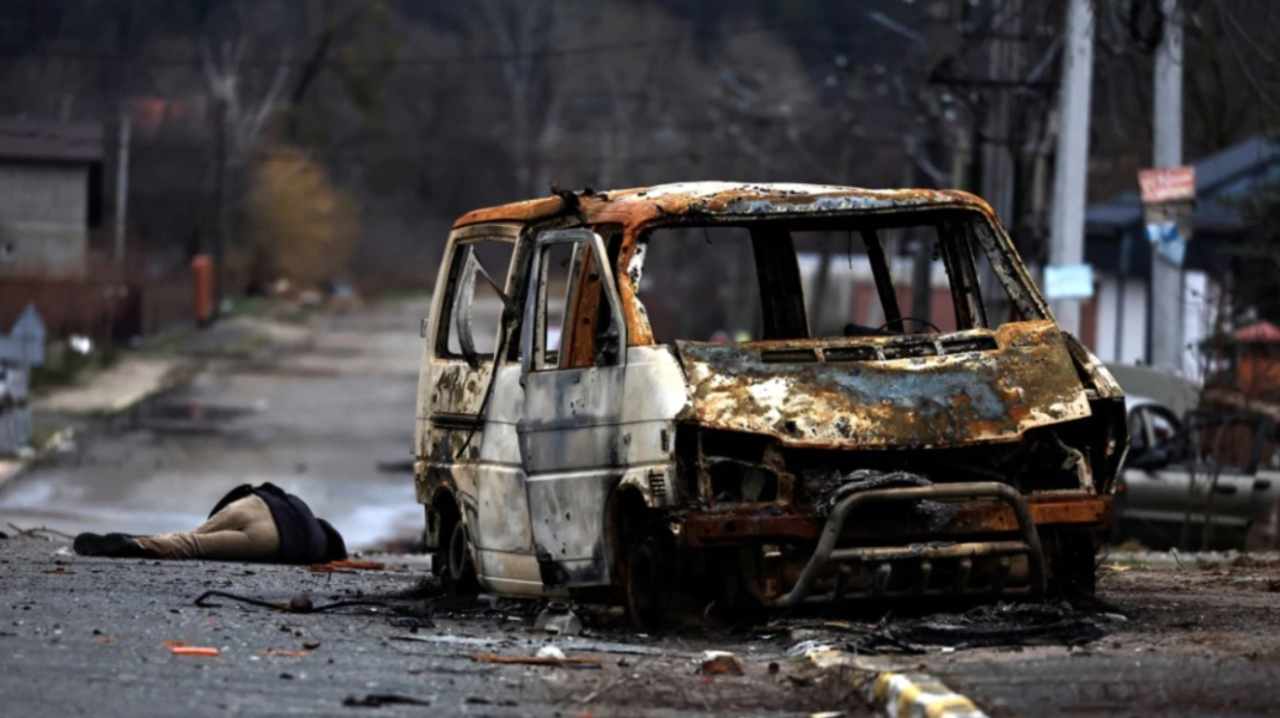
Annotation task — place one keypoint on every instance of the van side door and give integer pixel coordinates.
(570, 432)
(469, 401)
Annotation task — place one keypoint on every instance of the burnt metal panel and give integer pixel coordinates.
(922, 402)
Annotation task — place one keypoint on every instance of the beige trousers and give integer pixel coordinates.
(242, 531)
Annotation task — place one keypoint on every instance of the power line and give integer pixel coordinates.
(474, 59)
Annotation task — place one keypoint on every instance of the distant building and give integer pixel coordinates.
(1115, 323)
(50, 195)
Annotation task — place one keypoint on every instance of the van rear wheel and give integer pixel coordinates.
(461, 568)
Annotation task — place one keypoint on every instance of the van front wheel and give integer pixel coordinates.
(648, 580)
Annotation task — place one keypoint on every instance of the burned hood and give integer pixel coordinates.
(913, 391)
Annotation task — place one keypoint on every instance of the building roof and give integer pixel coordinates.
(1221, 180)
(50, 141)
(1116, 237)
(1261, 332)
(721, 198)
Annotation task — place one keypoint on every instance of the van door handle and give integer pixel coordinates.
(1261, 485)
(1225, 489)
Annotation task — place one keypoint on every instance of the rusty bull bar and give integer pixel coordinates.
(963, 553)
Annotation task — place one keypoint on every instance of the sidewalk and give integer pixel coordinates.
(132, 380)
(124, 385)
(137, 377)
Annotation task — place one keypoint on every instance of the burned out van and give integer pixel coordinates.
(626, 393)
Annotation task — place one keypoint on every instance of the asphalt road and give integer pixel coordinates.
(86, 636)
(313, 408)
(1200, 639)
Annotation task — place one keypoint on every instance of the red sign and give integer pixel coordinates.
(1167, 185)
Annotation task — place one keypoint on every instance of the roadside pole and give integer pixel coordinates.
(1166, 267)
(1067, 278)
(122, 187)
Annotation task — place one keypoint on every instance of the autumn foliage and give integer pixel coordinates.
(302, 227)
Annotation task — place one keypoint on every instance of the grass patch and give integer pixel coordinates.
(62, 367)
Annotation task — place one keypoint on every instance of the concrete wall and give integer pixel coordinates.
(1122, 320)
(44, 211)
(1121, 334)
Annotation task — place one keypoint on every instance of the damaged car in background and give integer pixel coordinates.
(574, 439)
(1200, 481)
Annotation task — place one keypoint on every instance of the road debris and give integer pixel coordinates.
(287, 654)
(378, 700)
(41, 532)
(201, 651)
(565, 662)
(719, 663)
(556, 618)
(1026, 624)
(300, 603)
(551, 652)
(347, 566)
(413, 623)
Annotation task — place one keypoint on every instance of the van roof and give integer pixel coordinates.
(691, 199)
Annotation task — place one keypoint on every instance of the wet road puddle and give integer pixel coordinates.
(191, 417)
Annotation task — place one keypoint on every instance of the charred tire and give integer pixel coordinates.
(1073, 565)
(460, 567)
(647, 580)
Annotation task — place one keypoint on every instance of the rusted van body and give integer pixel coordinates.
(573, 453)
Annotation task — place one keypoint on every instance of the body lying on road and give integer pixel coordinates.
(261, 523)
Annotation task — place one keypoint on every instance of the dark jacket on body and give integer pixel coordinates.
(304, 539)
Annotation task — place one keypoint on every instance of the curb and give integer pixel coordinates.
(179, 375)
(906, 694)
(176, 377)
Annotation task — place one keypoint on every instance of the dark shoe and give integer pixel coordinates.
(113, 545)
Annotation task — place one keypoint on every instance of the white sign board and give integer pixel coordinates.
(1167, 240)
(1068, 281)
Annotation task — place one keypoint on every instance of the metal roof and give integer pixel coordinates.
(1222, 179)
(691, 199)
(49, 141)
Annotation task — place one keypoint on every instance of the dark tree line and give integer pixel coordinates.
(402, 114)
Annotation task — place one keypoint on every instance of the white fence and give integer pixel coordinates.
(20, 350)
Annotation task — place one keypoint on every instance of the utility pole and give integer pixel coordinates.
(998, 151)
(222, 230)
(1166, 276)
(122, 187)
(1066, 227)
(1004, 65)
(922, 265)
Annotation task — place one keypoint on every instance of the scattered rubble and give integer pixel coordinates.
(561, 661)
(720, 663)
(558, 619)
(1003, 624)
(202, 651)
(378, 700)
